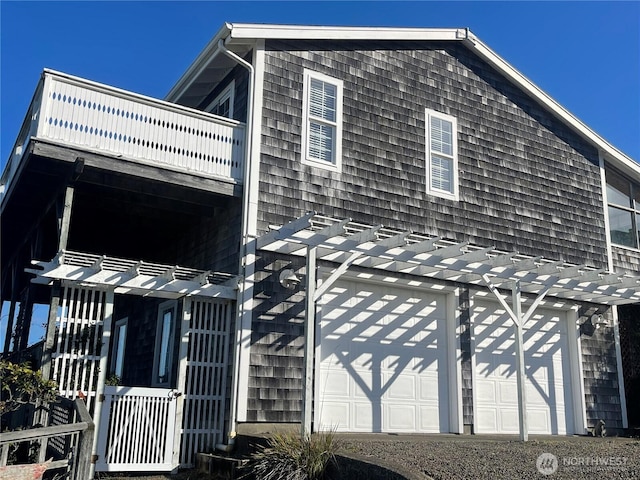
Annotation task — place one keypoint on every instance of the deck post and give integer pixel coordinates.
(45, 368)
(12, 310)
(64, 219)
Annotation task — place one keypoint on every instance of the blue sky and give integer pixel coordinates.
(586, 55)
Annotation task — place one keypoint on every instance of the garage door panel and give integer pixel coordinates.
(538, 420)
(335, 415)
(363, 418)
(402, 387)
(339, 296)
(508, 420)
(507, 393)
(431, 419)
(396, 361)
(400, 417)
(485, 393)
(338, 386)
(487, 419)
(428, 391)
(334, 352)
(547, 383)
(361, 383)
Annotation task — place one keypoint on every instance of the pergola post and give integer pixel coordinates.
(309, 341)
(516, 301)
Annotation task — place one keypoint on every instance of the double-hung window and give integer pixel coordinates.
(322, 116)
(442, 154)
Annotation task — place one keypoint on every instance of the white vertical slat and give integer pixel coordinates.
(66, 336)
(141, 430)
(98, 119)
(203, 418)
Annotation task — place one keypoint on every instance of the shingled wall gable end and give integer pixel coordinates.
(527, 182)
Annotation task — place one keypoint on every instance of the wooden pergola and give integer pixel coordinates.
(134, 277)
(346, 243)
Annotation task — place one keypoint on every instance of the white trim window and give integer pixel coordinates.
(322, 116)
(163, 361)
(119, 344)
(623, 199)
(223, 103)
(442, 154)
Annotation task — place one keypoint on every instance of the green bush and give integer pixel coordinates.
(20, 385)
(289, 456)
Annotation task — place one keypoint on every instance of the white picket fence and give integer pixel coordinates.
(137, 428)
(81, 113)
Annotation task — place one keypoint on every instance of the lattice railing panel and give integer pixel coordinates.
(78, 343)
(206, 376)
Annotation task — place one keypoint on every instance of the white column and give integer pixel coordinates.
(309, 341)
(516, 301)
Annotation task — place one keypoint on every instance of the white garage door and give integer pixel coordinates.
(547, 361)
(382, 362)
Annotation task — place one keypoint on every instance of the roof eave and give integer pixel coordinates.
(241, 33)
(198, 64)
(612, 153)
(302, 32)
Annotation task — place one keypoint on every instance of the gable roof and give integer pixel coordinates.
(240, 37)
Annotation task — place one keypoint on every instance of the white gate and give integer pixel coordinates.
(137, 428)
(78, 343)
(206, 325)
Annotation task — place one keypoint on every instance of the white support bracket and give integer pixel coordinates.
(335, 275)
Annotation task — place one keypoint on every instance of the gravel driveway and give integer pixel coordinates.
(450, 457)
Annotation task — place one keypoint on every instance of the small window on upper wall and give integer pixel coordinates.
(442, 154)
(322, 117)
(223, 103)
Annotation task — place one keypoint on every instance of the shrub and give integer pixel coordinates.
(290, 456)
(20, 385)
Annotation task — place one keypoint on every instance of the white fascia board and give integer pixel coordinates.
(309, 32)
(474, 44)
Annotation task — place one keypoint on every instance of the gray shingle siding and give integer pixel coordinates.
(277, 345)
(527, 183)
(601, 381)
(625, 260)
(212, 243)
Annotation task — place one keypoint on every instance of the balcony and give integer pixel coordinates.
(70, 111)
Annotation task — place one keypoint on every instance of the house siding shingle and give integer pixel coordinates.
(601, 380)
(527, 183)
(519, 168)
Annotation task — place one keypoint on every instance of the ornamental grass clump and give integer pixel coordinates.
(290, 456)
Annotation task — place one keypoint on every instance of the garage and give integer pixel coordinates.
(382, 363)
(548, 374)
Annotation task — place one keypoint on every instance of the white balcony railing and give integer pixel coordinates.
(88, 115)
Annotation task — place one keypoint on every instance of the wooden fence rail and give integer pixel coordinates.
(68, 444)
